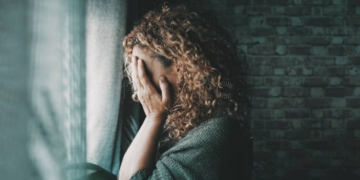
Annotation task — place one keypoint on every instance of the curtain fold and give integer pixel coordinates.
(57, 87)
(106, 28)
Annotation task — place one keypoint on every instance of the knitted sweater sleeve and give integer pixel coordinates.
(199, 155)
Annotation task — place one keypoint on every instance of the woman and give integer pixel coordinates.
(188, 78)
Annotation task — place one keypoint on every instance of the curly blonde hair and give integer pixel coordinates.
(205, 58)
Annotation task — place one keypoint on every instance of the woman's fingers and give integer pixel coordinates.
(165, 92)
(143, 78)
(134, 73)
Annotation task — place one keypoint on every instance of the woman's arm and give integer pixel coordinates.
(142, 151)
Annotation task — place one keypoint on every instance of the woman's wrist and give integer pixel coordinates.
(156, 117)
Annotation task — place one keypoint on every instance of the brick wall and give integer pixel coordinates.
(304, 57)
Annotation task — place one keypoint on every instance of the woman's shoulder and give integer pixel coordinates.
(220, 124)
(218, 129)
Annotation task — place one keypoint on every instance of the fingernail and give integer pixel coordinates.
(163, 78)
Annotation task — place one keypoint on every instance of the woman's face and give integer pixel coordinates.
(155, 69)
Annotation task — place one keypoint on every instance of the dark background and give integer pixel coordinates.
(304, 58)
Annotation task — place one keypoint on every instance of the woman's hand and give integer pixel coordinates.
(155, 105)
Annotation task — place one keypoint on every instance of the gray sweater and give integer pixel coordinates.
(217, 149)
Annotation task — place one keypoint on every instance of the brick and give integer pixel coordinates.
(261, 50)
(260, 71)
(261, 31)
(357, 91)
(248, 40)
(280, 49)
(277, 10)
(337, 102)
(353, 71)
(351, 81)
(351, 10)
(353, 2)
(278, 2)
(277, 124)
(259, 102)
(295, 92)
(258, 10)
(277, 134)
(317, 144)
(298, 153)
(278, 113)
(339, 21)
(281, 30)
(334, 10)
(341, 60)
(257, 21)
(298, 113)
(260, 92)
(353, 102)
(296, 21)
(335, 81)
(242, 2)
(339, 31)
(336, 113)
(312, 2)
(278, 144)
(316, 40)
(337, 40)
(240, 21)
(257, 124)
(311, 124)
(316, 10)
(317, 21)
(258, 2)
(279, 71)
(317, 92)
(298, 2)
(336, 123)
(281, 154)
(329, 71)
(336, 71)
(317, 114)
(318, 102)
(285, 81)
(277, 21)
(339, 2)
(315, 81)
(261, 134)
(296, 123)
(319, 50)
(238, 10)
(353, 124)
(352, 40)
(275, 91)
(285, 102)
(316, 134)
(357, 133)
(296, 71)
(338, 92)
(353, 21)
(340, 50)
(298, 10)
(284, 61)
(299, 50)
(319, 31)
(298, 31)
(331, 133)
(320, 61)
